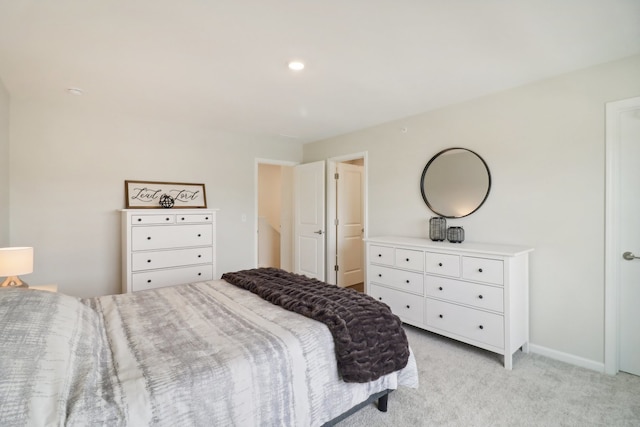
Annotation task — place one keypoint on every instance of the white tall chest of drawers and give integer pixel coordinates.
(472, 292)
(167, 247)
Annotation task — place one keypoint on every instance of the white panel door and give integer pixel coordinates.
(629, 199)
(309, 241)
(349, 205)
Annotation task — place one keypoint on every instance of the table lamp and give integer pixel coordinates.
(13, 262)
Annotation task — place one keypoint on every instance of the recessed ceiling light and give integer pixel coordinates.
(75, 91)
(296, 65)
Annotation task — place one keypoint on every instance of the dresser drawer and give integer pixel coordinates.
(190, 218)
(382, 255)
(444, 264)
(176, 236)
(172, 258)
(153, 219)
(480, 326)
(483, 270)
(411, 260)
(379, 274)
(169, 277)
(407, 307)
(474, 294)
(408, 281)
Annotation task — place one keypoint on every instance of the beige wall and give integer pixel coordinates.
(4, 166)
(69, 165)
(544, 145)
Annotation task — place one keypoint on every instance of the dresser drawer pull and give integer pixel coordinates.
(480, 296)
(182, 219)
(200, 256)
(481, 327)
(441, 316)
(380, 298)
(408, 306)
(139, 219)
(407, 280)
(149, 238)
(440, 288)
(479, 270)
(407, 259)
(148, 280)
(206, 217)
(199, 235)
(379, 255)
(379, 274)
(439, 264)
(199, 274)
(148, 260)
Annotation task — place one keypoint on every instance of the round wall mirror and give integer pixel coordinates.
(455, 183)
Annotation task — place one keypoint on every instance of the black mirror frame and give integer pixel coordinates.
(424, 172)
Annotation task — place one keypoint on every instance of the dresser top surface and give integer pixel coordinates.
(470, 247)
(159, 211)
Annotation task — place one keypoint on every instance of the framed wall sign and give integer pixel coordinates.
(154, 194)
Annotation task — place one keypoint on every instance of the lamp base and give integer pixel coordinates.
(13, 282)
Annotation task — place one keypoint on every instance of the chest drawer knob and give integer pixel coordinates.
(481, 327)
(200, 256)
(480, 296)
(148, 280)
(199, 235)
(182, 219)
(206, 217)
(379, 255)
(408, 306)
(379, 274)
(441, 316)
(408, 281)
(439, 264)
(139, 219)
(148, 260)
(380, 298)
(407, 259)
(479, 270)
(149, 238)
(440, 288)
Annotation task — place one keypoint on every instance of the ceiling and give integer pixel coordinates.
(223, 63)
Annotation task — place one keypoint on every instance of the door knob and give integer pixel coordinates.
(318, 232)
(629, 256)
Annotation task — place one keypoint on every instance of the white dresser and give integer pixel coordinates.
(167, 247)
(472, 292)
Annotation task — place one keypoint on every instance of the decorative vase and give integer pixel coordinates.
(455, 234)
(437, 228)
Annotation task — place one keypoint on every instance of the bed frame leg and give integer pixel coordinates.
(382, 403)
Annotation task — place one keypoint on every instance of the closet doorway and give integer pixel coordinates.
(346, 220)
(274, 206)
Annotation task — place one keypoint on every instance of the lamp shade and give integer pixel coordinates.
(16, 261)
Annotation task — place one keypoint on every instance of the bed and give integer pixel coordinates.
(207, 353)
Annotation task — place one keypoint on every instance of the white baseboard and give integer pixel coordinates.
(567, 358)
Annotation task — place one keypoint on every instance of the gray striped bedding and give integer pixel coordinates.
(194, 355)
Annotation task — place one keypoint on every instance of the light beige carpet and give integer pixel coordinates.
(461, 385)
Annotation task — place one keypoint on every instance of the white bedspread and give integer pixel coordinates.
(194, 355)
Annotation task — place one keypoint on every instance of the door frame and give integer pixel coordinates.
(330, 276)
(612, 230)
(257, 162)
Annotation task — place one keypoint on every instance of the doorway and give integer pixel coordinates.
(274, 214)
(622, 236)
(346, 220)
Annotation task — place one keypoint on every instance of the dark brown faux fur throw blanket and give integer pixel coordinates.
(369, 339)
